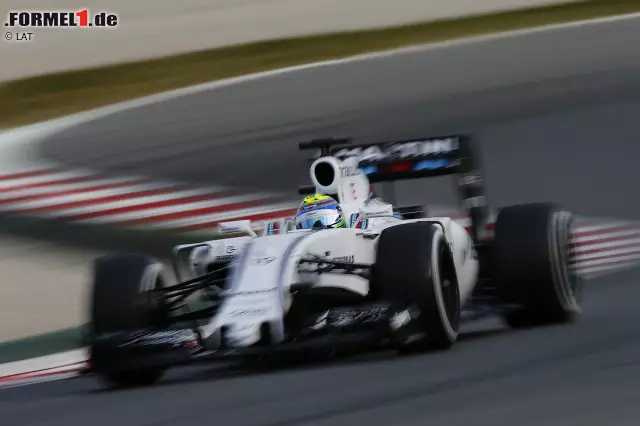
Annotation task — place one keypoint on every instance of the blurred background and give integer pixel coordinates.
(131, 138)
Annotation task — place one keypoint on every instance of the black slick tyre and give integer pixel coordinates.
(532, 265)
(414, 269)
(122, 301)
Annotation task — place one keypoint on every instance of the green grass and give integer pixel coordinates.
(48, 96)
(41, 345)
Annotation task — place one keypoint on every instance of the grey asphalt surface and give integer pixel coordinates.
(585, 374)
(556, 115)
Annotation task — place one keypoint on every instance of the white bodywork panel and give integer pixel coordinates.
(258, 287)
(264, 267)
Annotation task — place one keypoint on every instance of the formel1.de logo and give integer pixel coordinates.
(60, 19)
(28, 19)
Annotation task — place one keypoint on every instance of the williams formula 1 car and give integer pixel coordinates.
(393, 278)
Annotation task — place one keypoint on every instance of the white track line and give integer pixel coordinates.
(606, 252)
(607, 226)
(616, 259)
(129, 196)
(80, 188)
(89, 205)
(36, 380)
(630, 244)
(46, 362)
(46, 181)
(184, 210)
(612, 233)
(603, 244)
(230, 215)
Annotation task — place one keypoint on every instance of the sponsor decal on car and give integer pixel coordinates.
(349, 171)
(171, 338)
(247, 293)
(225, 257)
(349, 317)
(400, 150)
(346, 259)
(434, 164)
(265, 260)
(250, 312)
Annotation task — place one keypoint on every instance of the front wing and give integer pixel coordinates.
(364, 327)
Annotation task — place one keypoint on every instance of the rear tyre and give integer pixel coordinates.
(532, 267)
(414, 269)
(122, 302)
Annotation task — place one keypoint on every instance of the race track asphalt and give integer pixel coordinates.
(585, 374)
(556, 115)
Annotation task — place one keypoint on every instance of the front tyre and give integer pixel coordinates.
(414, 268)
(122, 301)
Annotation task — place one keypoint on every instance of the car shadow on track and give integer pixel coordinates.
(237, 370)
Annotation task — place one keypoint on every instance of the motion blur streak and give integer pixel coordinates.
(556, 117)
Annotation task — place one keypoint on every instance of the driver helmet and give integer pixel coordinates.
(319, 212)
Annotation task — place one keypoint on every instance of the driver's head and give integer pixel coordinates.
(319, 211)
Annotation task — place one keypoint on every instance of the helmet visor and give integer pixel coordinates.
(325, 218)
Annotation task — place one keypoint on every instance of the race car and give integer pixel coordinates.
(393, 278)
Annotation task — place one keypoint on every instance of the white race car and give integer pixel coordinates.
(394, 278)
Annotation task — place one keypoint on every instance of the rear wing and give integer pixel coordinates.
(414, 159)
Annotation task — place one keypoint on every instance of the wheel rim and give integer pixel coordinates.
(448, 287)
